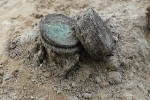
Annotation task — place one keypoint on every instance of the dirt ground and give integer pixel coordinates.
(26, 75)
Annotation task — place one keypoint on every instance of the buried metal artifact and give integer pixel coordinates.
(56, 34)
(89, 29)
(94, 35)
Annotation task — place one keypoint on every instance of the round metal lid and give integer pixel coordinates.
(94, 35)
(57, 30)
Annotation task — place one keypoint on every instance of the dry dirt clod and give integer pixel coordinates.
(37, 16)
(58, 91)
(113, 62)
(98, 79)
(1, 76)
(73, 85)
(114, 77)
(104, 84)
(12, 45)
(73, 98)
(87, 95)
(15, 73)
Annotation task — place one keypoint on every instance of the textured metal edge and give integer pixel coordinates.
(59, 50)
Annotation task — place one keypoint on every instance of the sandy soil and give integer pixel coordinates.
(25, 79)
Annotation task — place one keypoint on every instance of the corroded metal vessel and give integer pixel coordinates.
(57, 34)
(94, 35)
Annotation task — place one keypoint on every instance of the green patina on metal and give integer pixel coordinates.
(58, 31)
(57, 34)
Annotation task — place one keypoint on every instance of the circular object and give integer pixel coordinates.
(56, 29)
(57, 34)
(94, 35)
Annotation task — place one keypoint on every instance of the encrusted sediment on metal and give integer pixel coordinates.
(60, 50)
(94, 35)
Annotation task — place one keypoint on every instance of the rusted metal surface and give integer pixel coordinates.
(94, 35)
(56, 34)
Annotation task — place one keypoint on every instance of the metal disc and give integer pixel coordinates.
(57, 30)
(94, 35)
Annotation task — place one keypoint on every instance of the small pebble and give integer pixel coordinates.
(13, 55)
(32, 97)
(87, 95)
(114, 77)
(47, 74)
(12, 45)
(97, 79)
(113, 62)
(1, 65)
(6, 23)
(58, 91)
(73, 85)
(104, 84)
(41, 65)
(32, 65)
